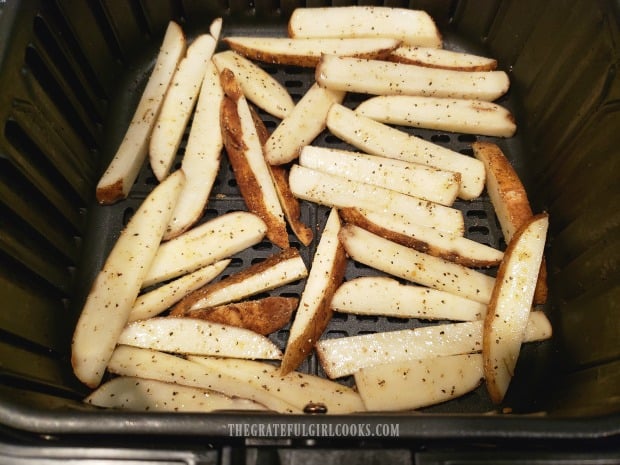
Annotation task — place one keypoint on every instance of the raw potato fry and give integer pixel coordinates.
(314, 312)
(154, 302)
(301, 126)
(245, 153)
(122, 171)
(408, 178)
(443, 114)
(442, 58)
(201, 160)
(407, 263)
(376, 138)
(263, 316)
(135, 394)
(289, 203)
(386, 296)
(378, 77)
(346, 355)
(339, 192)
(298, 389)
(198, 337)
(414, 27)
(509, 309)
(419, 383)
(215, 29)
(117, 285)
(258, 86)
(179, 104)
(307, 52)
(277, 270)
(457, 249)
(204, 245)
(152, 364)
(510, 201)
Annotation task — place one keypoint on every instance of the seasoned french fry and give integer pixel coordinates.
(178, 105)
(378, 77)
(408, 178)
(314, 312)
(442, 58)
(443, 114)
(122, 171)
(307, 52)
(380, 139)
(117, 285)
(414, 27)
(339, 192)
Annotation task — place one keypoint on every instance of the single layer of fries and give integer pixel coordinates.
(159, 332)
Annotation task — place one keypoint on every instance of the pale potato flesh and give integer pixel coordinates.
(442, 58)
(152, 364)
(117, 285)
(378, 77)
(123, 170)
(376, 138)
(201, 160)
(179, 104)
(258, 86)
(297, 388)
(149, 395)
(303, 124)
(442, 114)
(346, 355)
(339, 192)
(507, 316)
(415, 27)
(408, 178)
(419, 383)
(184, 335)
(204, 245)
(378, 295)
(407, 263)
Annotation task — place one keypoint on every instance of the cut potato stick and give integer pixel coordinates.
(152, 364)
(279, 174)
(201, 160)
(454, 248)
(376, 138)
(198, 337)
(263, 316)
(509, 309)
(154, 302)
(307, 52)
(139, 394)
(122, 171)
(117, 285)
(215, 28)
(301, 126)
(379, 295)
(336, 191)
(346, 355)
(419, 383)
(179, 104)
(314, 312)
(204, 245)
(414, 27)
(442, 114)
(281, 268)
(245, 153)
(258, 86)
(442, 58)
(378, 77)
(407, 263)
(408, 178)
(509, 199)
(298, 389)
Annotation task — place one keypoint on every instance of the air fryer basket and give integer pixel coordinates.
(71, 74)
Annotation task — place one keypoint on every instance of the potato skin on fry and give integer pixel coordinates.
(263, 316)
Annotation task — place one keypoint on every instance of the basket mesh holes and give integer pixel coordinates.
(440, 138)
(468, 138)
